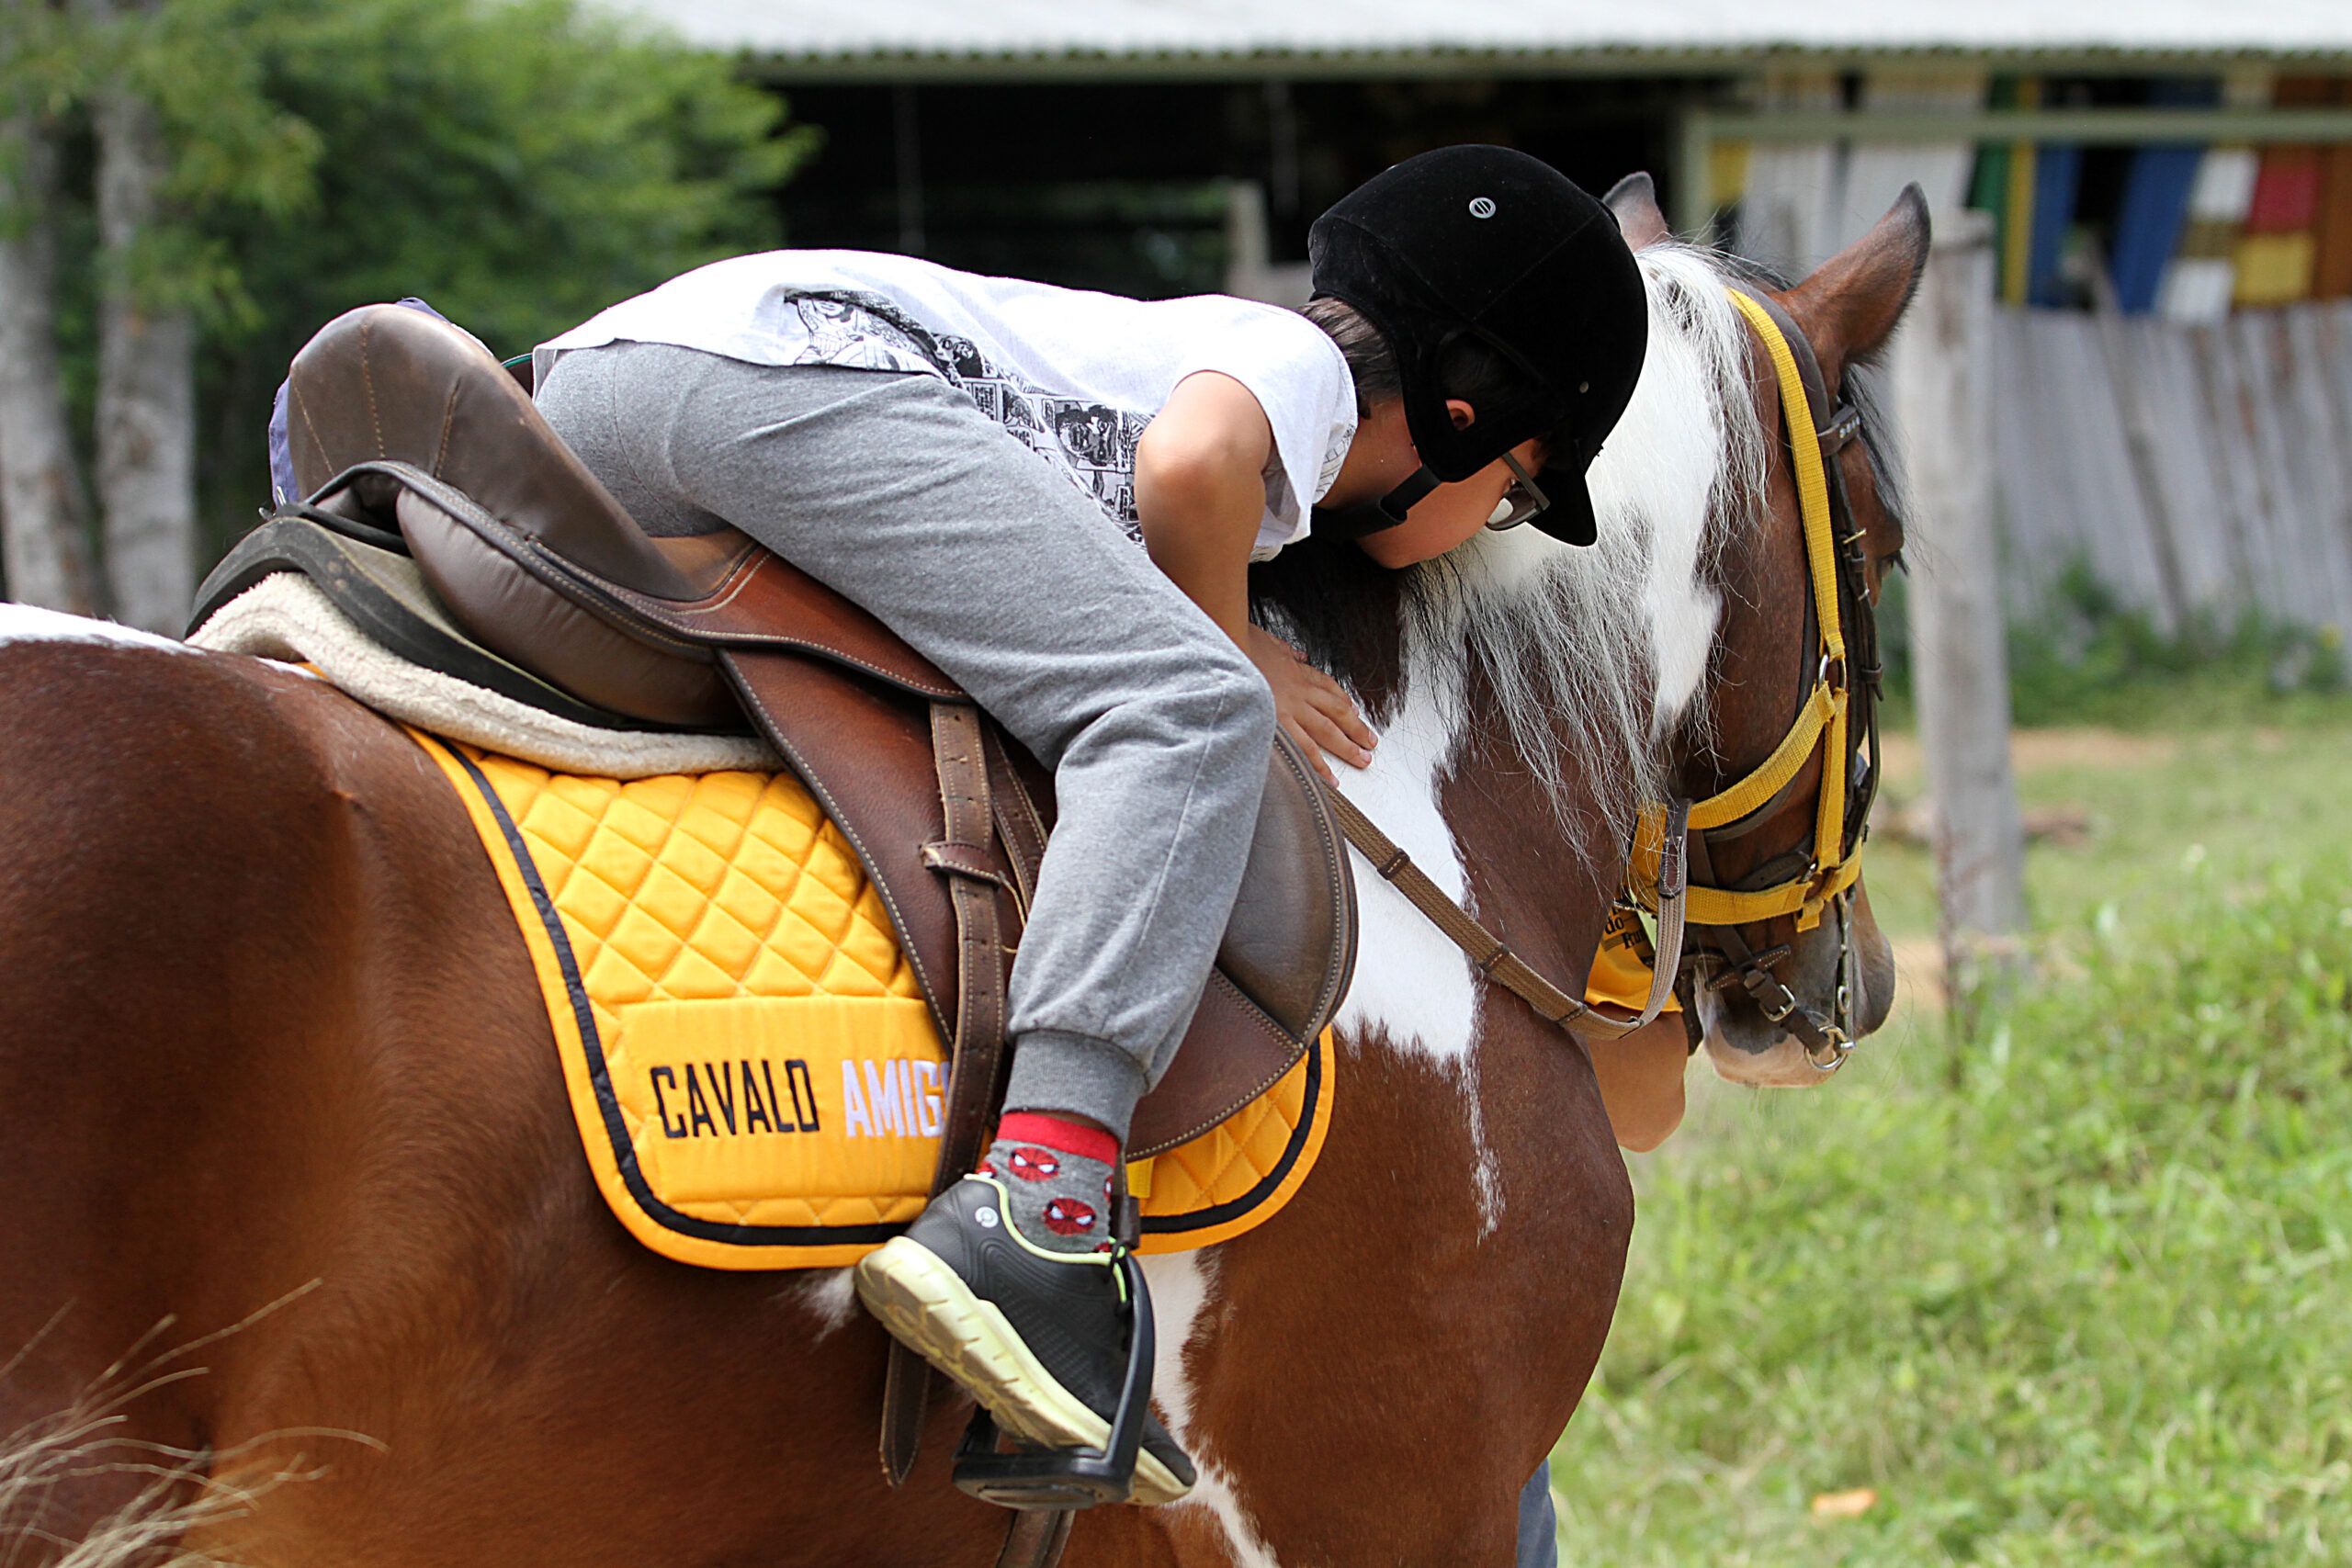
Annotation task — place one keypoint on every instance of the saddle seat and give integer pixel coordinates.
(412, 442)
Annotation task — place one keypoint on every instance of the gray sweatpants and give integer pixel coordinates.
(898, 492)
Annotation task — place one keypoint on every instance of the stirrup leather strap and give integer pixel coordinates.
(958, 748)
(1034, 1538)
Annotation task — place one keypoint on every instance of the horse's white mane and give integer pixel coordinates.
(1594, 656)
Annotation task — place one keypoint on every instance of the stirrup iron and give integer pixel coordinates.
(1029, 1477)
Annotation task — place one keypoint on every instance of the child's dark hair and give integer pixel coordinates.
(1470, 370)
(1370, 359)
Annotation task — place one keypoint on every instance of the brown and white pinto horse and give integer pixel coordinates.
(305, 1265)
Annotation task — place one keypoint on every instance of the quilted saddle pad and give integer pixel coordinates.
(756, 1078)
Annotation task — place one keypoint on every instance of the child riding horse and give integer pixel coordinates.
(960, 455)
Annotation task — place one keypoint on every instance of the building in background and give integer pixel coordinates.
(2170, 180)
(2173, 155)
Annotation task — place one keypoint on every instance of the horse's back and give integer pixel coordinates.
(277, 1073)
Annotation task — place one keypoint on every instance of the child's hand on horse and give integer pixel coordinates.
(1313, 709)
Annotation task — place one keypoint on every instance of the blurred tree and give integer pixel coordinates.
(145, 463)
(521, 164)
(44, 510)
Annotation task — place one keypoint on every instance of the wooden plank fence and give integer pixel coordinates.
(1962, 674)
(2198, 471)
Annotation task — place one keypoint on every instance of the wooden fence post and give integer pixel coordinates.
(1943, 386)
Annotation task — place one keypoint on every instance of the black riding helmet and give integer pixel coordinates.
(1490, 244)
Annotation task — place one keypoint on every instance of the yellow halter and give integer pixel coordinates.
(1820, 723)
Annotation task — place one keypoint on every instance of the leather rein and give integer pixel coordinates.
(1839, 719)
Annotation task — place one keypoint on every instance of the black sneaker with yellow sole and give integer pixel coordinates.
(1038, 1337)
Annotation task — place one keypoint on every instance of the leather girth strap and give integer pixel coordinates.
(959, 750)
(1495, 959)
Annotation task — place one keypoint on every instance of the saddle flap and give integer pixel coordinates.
(866, 754)
(1284, 966)
(864, 751)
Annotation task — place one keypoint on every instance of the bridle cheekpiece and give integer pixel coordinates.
(1838, 719)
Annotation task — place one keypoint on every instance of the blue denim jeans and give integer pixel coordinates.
(1539, 1526)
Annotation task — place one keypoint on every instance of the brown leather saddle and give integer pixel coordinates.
(408, 438)
(447, 520)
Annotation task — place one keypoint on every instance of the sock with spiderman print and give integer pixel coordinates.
(1057, 1177)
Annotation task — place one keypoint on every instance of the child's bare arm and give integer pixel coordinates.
(1200, 487)
(1200, 490)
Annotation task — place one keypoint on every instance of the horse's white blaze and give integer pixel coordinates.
(1411, 983)
(1486, 1172)
(1213, 1492)
(27, 623)
(1682, 628)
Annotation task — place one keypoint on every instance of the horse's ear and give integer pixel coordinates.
(1850, 304)
(1633, 201)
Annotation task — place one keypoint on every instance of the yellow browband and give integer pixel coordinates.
(1820, 723)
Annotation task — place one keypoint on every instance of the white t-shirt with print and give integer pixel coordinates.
(1074, 375)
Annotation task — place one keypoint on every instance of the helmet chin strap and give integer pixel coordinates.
(1379, 517)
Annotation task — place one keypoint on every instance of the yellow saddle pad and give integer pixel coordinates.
(757, 1082)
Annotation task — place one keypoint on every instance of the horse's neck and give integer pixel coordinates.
(1447, 787)
(1619, 639)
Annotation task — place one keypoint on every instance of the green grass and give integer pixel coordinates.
(2234, 796)
(2079, 1290)
(2082, 657)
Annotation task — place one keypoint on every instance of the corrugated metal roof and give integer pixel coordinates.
(1261, 33)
